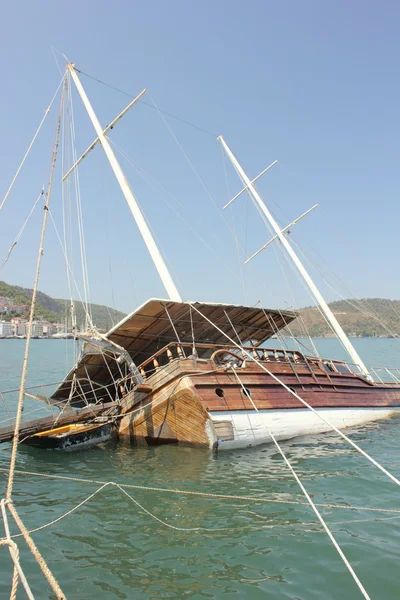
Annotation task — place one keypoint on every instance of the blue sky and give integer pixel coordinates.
(312, 84)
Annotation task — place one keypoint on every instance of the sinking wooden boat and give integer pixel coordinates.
(77, 436)
(200, 373)
(207, 392)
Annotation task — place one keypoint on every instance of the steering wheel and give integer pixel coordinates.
(223, 358)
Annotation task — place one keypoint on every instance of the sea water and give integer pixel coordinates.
(205, 547)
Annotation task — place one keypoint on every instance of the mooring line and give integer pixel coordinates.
(253, 527)
(293, 393)
(205, 494)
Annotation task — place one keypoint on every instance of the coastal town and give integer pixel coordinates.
(14, 325)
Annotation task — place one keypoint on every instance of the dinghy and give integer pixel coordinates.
(69, 438)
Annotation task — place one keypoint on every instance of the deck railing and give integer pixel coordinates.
(176, 350)
(386, 375)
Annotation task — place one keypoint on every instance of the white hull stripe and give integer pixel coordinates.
(250, 428)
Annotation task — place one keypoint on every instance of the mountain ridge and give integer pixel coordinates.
(55, 310)
(363, 317)
(378, 316)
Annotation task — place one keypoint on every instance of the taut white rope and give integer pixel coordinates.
(31, 144)
(264, 368)
(313, 506)
(320, 518)
(21, 231)
(208, 494)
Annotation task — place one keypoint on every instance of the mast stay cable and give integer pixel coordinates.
(18, 419)
(369, 313)
(147, 103)
(308, 498)
(295, 395)
(146, 176)
(21, 231)
(31, 144)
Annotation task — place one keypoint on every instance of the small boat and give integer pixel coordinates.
(69, 438)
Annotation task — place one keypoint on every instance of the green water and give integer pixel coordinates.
(110, 548)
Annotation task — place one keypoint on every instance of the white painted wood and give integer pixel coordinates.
(285, 243)
(127, 192)
(251, 428)
(105, 131)
(283, 231)
(252, 181)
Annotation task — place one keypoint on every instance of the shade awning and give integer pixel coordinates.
(158, 322)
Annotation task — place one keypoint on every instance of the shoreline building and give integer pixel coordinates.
(37, 329)
(6, 329)
(19, 326)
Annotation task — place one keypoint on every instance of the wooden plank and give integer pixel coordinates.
(182, 413)
(224, 430)
(221, 392)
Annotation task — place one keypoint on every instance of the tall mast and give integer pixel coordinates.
(127, 192)
(283, 239)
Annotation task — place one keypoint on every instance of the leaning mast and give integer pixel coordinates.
(337, 328)
(128, 194)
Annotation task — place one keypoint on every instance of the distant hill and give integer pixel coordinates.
(354, 322)
(55, 310)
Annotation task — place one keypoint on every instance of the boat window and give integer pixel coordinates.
(246, 392)
(342, 368)
(220, 392)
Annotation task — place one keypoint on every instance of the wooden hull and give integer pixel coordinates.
(176, 418)
(194, 403)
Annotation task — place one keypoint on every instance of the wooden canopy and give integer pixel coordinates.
(158, 322)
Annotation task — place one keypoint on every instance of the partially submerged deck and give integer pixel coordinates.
(67, 417)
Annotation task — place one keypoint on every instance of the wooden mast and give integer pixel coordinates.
(127, 192)
(283, 239)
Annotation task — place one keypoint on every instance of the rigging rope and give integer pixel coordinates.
(21, 231)
(87, 314)
(303, 326)
(38, 557)
(31, 144)
(14, 553)
(307, 496)
(207, 191)
(146, 176)
(147, 104)
(372, 313)
(212, 495)
(291, 292)
(293, 393)
(32, 311)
